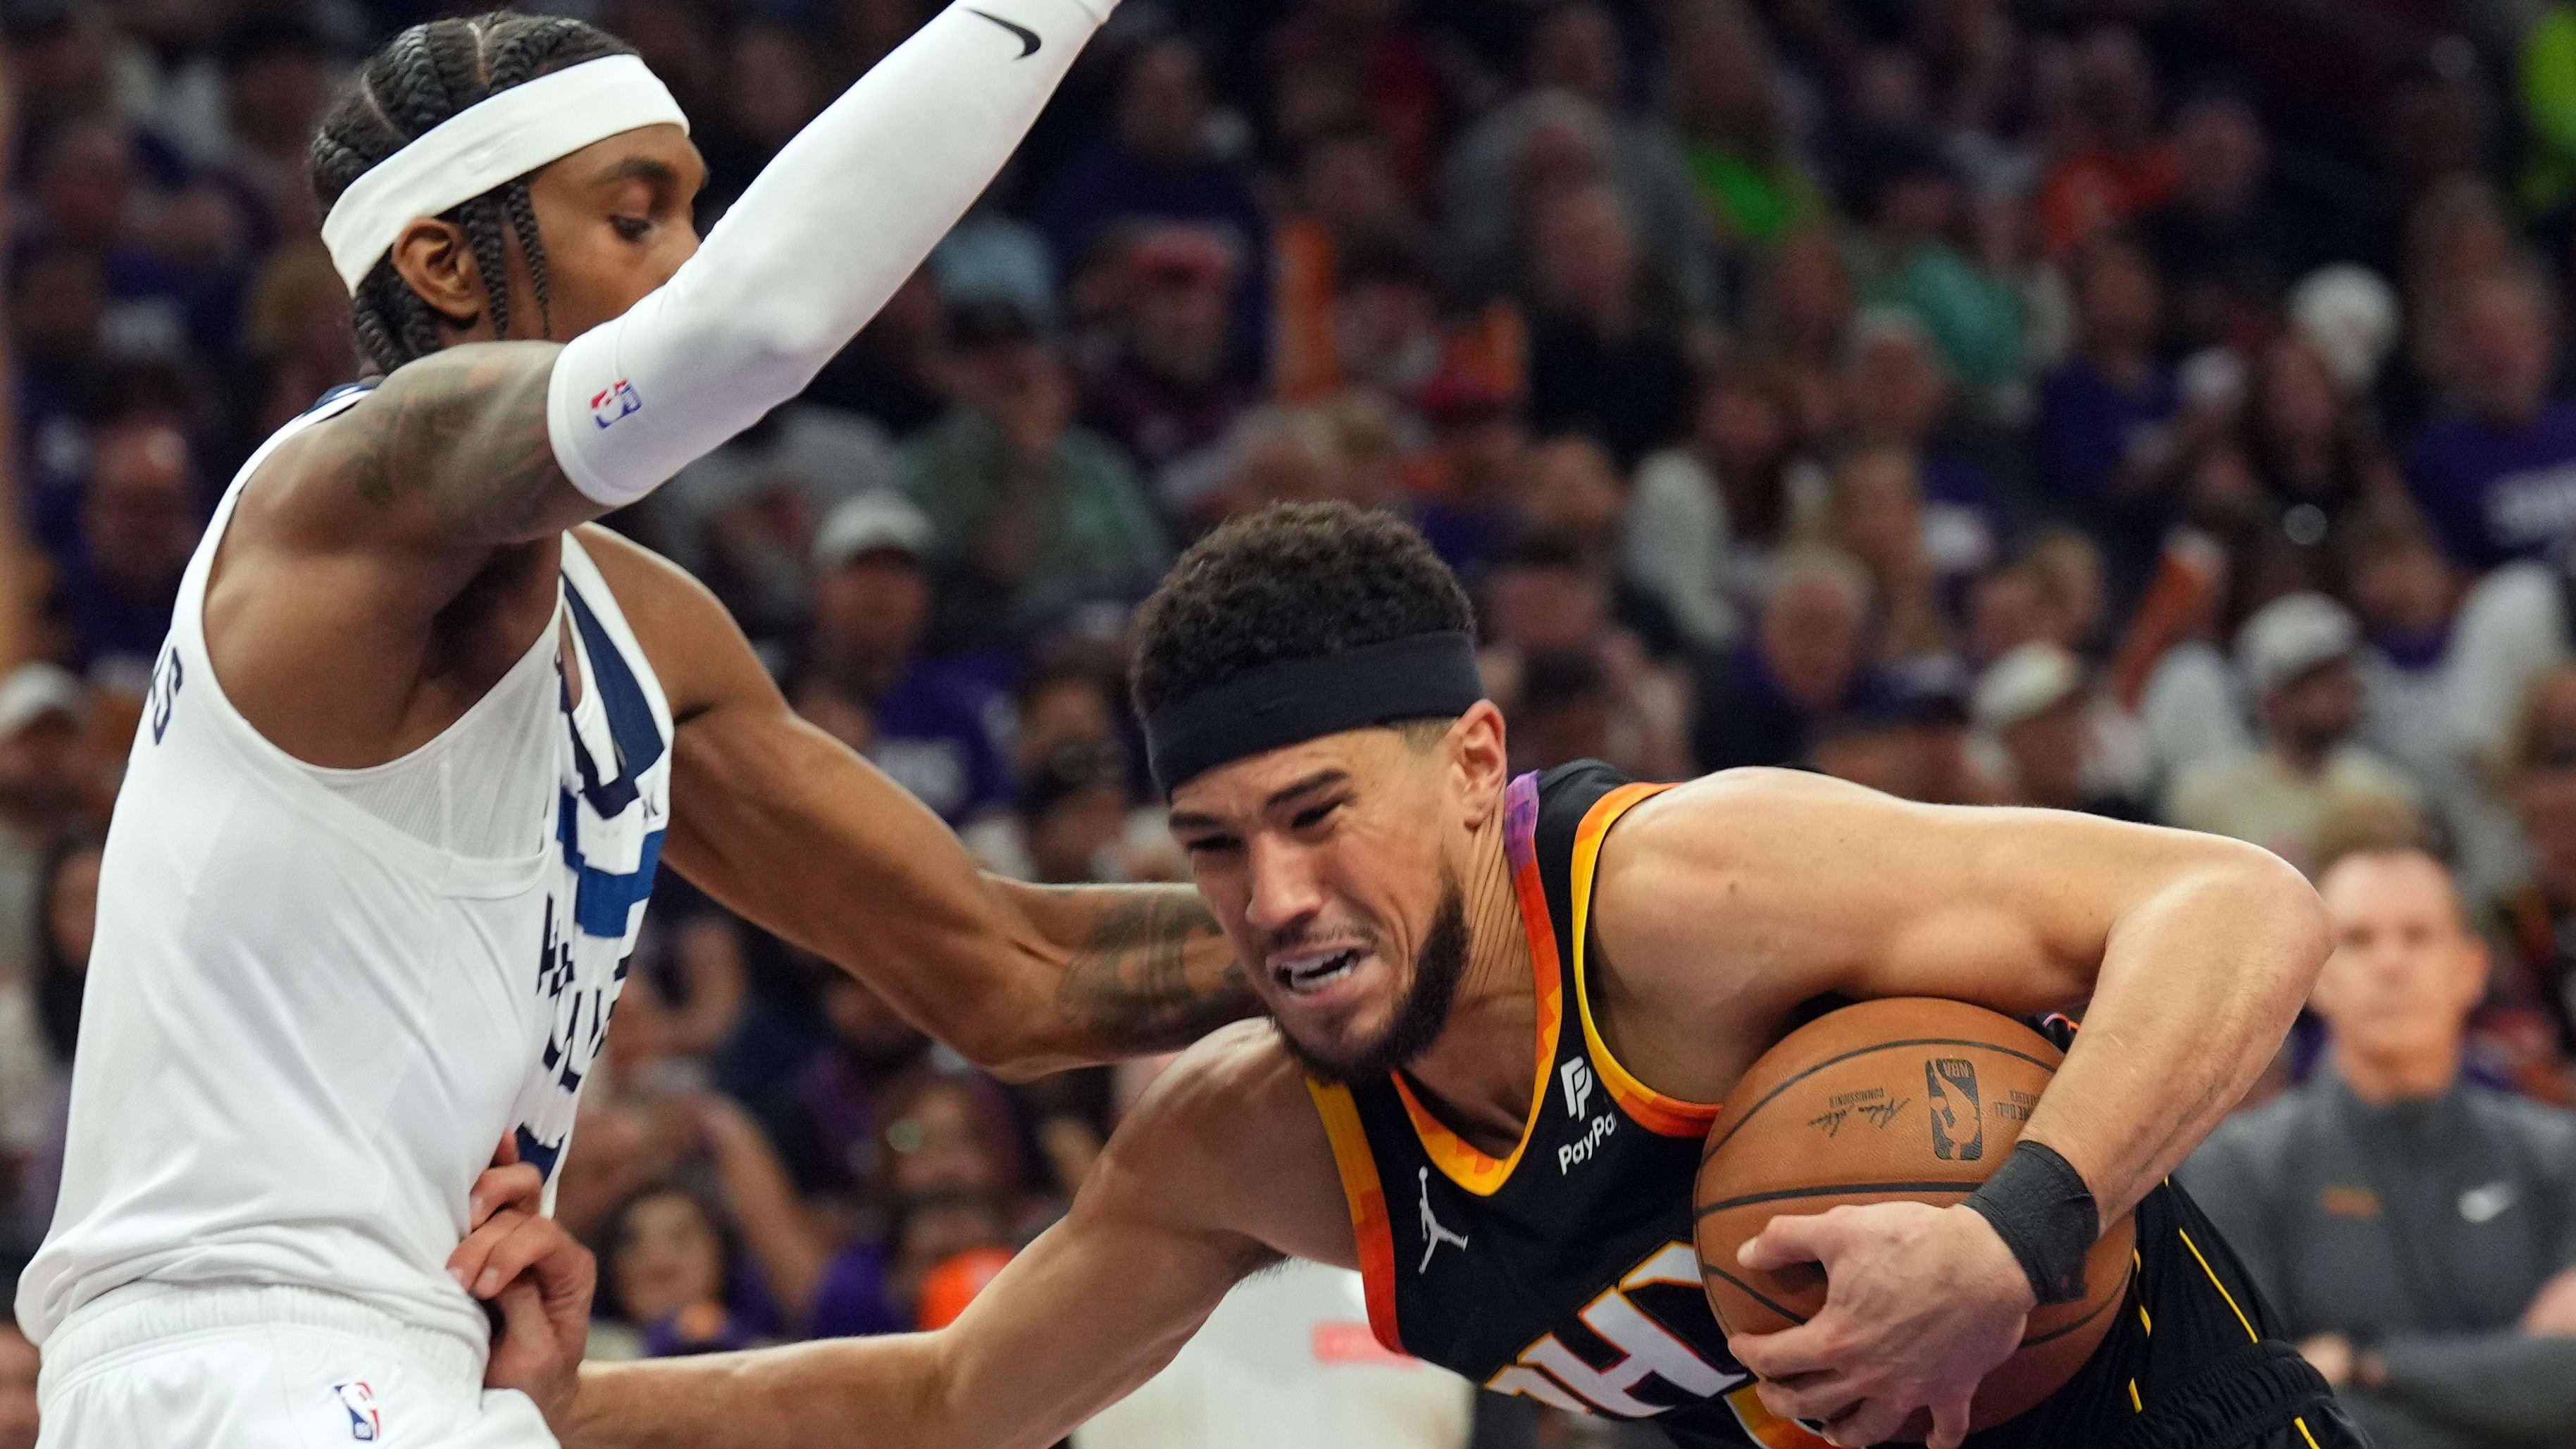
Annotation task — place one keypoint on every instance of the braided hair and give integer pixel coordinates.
(427, 75)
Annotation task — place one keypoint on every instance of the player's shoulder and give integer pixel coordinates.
(1228, 1139)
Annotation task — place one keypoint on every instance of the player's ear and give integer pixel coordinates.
(435, 260)
(1480, 760)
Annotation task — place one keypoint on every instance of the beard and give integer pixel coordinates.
(1419, 1018)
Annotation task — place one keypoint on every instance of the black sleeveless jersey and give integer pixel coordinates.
(1565, 1272)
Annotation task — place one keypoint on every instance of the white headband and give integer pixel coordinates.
(487, 144)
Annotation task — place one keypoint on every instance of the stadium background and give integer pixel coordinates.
(1987, 401)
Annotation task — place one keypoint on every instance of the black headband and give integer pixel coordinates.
(1293, 700)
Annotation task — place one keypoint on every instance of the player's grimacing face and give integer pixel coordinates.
(1327, 864)
(616, 220)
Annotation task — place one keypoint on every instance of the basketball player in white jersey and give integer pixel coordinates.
(416, 739)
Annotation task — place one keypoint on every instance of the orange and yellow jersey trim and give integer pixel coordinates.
(1657, 1113)
(1457, 1160)
(1367, 1199)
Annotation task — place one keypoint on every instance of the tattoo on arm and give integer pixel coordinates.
(463, 437)
(1132, 987)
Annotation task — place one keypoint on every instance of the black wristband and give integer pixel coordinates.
(2043, 1211)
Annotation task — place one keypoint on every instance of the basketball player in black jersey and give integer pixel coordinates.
(1499, 1009)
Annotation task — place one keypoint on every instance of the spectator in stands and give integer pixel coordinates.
(57, 312)
(2226, 240)
(1169, 389)
(2459, 233)
(2538, 767)
(1900, 397)
(2463, 1330)
(44, 781)
(298, 339)
(667, 1267)
(2036, 709)
(1158, 164)
(1805, 662)
(2297, 656)
(68, 894)
(2407, 594)
(1547, 597)
(931, 722)
(1704, 518)
(2117, 169)
(1572, 128)
(1358, 65)
(1878, 519)
(1469, 478)
(1034, 515)
(2497, 475)
(17, 1380)
(744, 518)
(1911, 258)
(277, 75)
(1603, 357)
(2112, 434)
(139, 525)
(1735, 131)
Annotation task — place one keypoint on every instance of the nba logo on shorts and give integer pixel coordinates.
(365, 1424)
(618, 401)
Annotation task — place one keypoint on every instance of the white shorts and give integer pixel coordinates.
(151, 1366)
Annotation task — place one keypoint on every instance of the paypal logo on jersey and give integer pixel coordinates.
(1577, 1076)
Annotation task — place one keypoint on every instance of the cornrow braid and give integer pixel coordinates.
(422, 77)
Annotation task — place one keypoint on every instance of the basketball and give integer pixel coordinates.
(1907, 1098)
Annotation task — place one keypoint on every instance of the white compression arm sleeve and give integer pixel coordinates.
(825, 235)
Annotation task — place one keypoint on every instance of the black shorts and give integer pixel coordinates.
(2195, 1362)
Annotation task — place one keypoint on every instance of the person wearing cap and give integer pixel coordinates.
(420, 737)
(2297, 657)
(1034, 514)
(1170, 389)
(2461, 1199)
(2035, 707)
(930, 721)
(44, 773)
(2496, 474)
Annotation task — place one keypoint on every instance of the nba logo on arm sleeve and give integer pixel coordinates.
(618, 400)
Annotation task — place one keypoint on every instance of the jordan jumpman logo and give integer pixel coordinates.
(1433, 1234)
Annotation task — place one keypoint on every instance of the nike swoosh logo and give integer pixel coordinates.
(2485, 1204)
(1029, 41)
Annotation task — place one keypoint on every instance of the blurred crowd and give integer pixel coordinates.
(2143, 407)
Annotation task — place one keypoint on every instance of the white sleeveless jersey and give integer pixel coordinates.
(305, 1030)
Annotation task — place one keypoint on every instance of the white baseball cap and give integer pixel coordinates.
(2027, 681)
(2290, 636)
(880, 519)
(33, 691)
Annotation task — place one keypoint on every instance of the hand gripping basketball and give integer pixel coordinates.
(1838, 1239)
(1921, 1303)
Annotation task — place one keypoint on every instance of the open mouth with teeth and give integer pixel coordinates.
(1316, 971)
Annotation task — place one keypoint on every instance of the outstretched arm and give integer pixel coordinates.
(391, 510)
(1177, 1213)
(788, 827)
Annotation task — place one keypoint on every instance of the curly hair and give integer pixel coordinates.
(424, 76)
(1292, 581)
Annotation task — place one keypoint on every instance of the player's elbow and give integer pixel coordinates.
(2268, 903)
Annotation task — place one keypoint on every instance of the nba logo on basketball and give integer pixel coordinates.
(1958, 1134)
(616, 402)
(365, 1424)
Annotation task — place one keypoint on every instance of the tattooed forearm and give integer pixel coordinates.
(461, 439)
(1153, 975)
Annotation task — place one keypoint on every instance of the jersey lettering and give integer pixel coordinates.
(1568, 1154)
(1646, 1349)
(165, 691)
